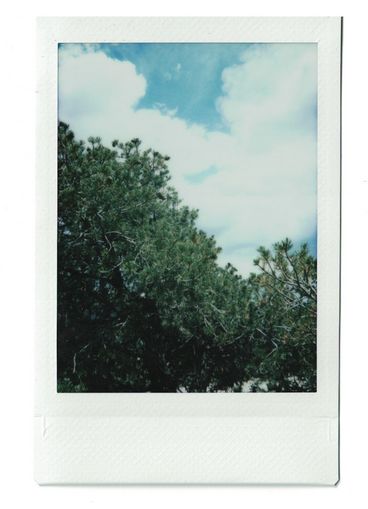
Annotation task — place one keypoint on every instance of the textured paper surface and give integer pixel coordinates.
(204, 438)
(186, 450)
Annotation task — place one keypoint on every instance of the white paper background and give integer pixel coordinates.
(17, 263)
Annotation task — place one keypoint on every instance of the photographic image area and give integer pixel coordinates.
(187, 217)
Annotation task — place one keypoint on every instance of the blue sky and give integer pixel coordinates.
(239, 122)
(186, 77)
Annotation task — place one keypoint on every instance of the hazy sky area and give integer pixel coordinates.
(239, 122)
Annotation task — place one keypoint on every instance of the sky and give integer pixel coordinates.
(239, 122)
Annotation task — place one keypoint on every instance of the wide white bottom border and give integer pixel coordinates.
(131, 450)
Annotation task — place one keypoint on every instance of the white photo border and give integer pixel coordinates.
(193, 437)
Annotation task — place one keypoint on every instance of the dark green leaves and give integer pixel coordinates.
(143, 304)
(284, 315)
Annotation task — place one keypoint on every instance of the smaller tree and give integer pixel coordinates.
(283, 315)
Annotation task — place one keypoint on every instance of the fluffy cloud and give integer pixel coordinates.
(264, 184)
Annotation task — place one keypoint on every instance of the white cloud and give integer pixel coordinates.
(165, 110)
(265, 185)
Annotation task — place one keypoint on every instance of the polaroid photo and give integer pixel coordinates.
(188, 232)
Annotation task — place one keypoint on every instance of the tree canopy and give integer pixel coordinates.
(284, 316)
(143, 304)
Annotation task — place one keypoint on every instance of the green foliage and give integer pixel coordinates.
(142, 303)
(283, 313)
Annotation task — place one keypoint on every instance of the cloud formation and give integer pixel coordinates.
(255, 182)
